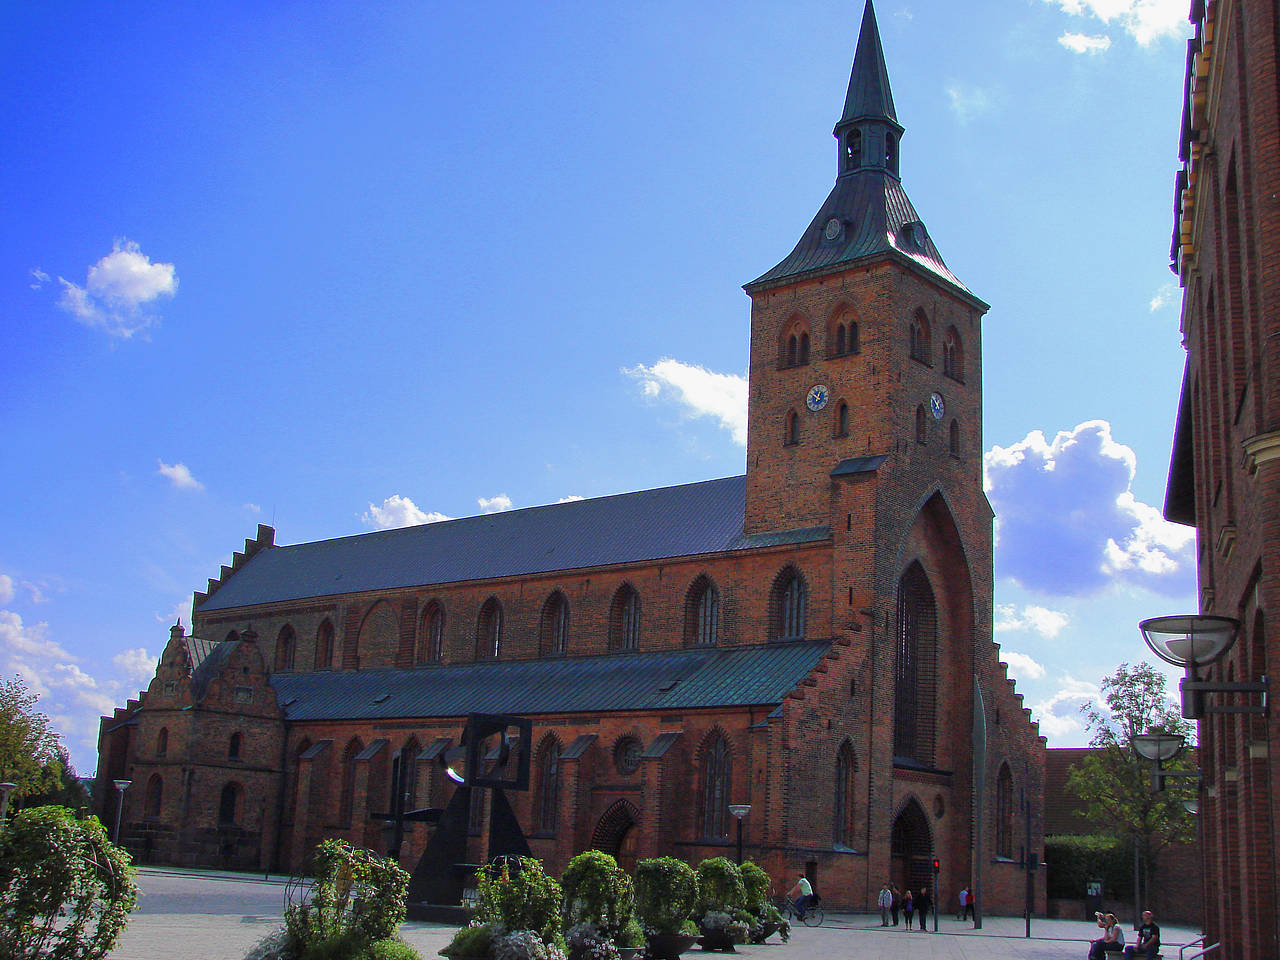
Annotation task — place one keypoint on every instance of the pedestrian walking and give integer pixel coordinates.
(923, 902)
(964, 898)
(896, 905)
(885, 902)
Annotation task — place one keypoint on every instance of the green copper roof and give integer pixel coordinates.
(869, 94)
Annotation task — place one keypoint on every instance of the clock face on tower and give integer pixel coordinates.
(817, 397)
(937, 406)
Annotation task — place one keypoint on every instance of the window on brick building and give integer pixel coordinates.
(1004, 813)
(489, 630)
(793, 347)
(431, 634)
(915, 668)
(791, 429)
(403, 786)
(286, 643)
(842, 419)
(624, 619)
(789, 605)
(922, 425)
(162, 742)
(229, 804)
(547, 799)
(843, 808)
(155, 798)
(843, 338)
(555, 625)
(702, 613)
(716, 776)
(347, 790)
(234, 745)
(953, 439)
(921, 345)
(324, 645)
(953, 355)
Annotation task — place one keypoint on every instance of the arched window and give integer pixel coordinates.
(403, 786)
(920, 339)
(853, 150)
(804, 349)
(914, 669)
(789, 603)
(286, 643)
(851, 339)
(716, 771)
(347, 794)
(842, 419)
(554, 627)
(792, 429)
(953, 440)
(162, 742)
(431, 634)
(839, 339)
(702, 613)
(922, 425)
(793, 350)
(155, 798)
(843, 809)
(624, 619)
(953, 355)
(489, 630)
(548, 796)
(843, 338)
(228, 803)
(1004, 813)
(793, 347)
(324, 645)
(233, 747)
(891, 152)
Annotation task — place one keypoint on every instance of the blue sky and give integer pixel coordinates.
(337, 266)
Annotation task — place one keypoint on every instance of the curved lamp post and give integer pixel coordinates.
(122, 786)
(740, 811)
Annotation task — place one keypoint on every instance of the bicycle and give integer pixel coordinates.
(813, 914)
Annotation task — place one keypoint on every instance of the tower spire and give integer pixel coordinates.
(869, 96)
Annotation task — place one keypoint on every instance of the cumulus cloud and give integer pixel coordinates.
(1068, 523)
(1166, 295)
(179, 475)
(1145, 20)
(120, 292)
(1021, 666)
(1085, 43)
(497, 504)
(967, 101)
(1048, 623)
(699, 392)
(398, 511)
(1059, 714)
(572, 498)
(137, 665)
(6, 588)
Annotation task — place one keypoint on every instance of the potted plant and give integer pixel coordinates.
(765, 917)
(517, 915)
(598, 909)
(666, 893)
(721, 896)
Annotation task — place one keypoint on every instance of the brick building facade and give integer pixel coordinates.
(812, 638)
(1225, 473)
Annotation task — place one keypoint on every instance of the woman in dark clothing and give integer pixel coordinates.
(922, 906)
(908, 906)
(896, 905)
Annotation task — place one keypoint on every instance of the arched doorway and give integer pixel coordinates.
(617, 835)
(911, 849)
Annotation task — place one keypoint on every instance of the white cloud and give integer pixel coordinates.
(967, 101)
(137, 665)
(699, 391)
(1166, 295)
(1021, 666)
(572, 498)
(1067, 522)
(30, 640)
(1085, 43)
(398, 511)
(1048, 623)
(1059, 715)
(120, 292)
(1145, 20)
(253, 508)
(38, 278)
(497, 504)
(6, 588)
(179, 475)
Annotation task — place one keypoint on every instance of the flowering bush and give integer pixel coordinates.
(521, 897)
(597, 891)
(586, 941)
(525, 945)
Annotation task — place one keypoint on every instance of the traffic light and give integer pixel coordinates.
(937, 864)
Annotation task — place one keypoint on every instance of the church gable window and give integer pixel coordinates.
(155, 798)
(793, 349)
(953, 356)
(914, 668)
(555, 625)
(234, 746)
(547, 799)
(921, 343)
(324, 645)
(789, 605)
(162, 742)
(430, 644)
(922, 425)
(624, 619)
(716, 771)
(702, 613)
(842, 420)
(791, 429)
(842, 339)
(489, 630)
(286, 644)
(1004, 813)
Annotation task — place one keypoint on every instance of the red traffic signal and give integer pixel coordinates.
(936, 864)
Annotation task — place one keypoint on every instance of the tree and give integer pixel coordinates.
(29, 753)
(1114, 783)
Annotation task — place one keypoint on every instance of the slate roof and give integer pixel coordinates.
(686, 520)
(659, 680)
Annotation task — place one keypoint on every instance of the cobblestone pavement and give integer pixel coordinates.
(208, 915)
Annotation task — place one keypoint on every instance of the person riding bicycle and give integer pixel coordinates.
(802, 895)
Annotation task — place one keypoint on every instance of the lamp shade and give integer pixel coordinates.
(739, 810)
(1153, 745)
(122, 785)
(1192, 640)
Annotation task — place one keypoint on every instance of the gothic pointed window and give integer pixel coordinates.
(791, 431)
(286, 644)
(489, 630)
(804, 349)
(716, 772)
(853, 150)
(162, 742)
(234, 746)
(793, 350)
(555, 625)
(155, 798)
(228, 804)
(789, 603)
(921, 341)
(953, 355)
(840, 332)
(922, 425)
(915, 668)
(842, 419)
(851, 340)
(547, 799)
(624, 619)
(324, 646)
(702, 613)
(843, 808)
(1004, 813)
(430, 646)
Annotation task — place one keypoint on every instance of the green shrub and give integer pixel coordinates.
(666, 892)
(475, 940)
(391, 949)
(597, 890)
(1071, 861)
(520, 897)
(755, 882)
(357, 895)
(719, 885)
(65, 890)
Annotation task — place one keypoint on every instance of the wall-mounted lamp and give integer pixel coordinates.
(1159, 747)
(1195, 641)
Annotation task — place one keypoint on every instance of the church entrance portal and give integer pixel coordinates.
(616, 835)
(911, 849)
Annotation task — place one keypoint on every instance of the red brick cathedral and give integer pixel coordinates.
(812, 638)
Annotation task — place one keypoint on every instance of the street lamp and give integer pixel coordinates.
(5, 790)
(740, 811)
(122, 786)
(1193, 641)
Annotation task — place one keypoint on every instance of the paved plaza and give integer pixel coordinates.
(207, 915)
